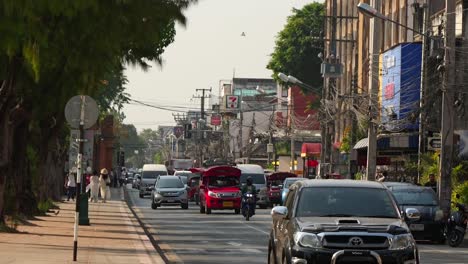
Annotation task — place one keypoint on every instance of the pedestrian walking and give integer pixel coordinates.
(94, 187)
(104, 185)
(70, 183)
(432, 182)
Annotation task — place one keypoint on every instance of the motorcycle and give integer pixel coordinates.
(456, 225)
(248, 205)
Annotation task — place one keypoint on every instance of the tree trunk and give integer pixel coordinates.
(7, 102)
(26, 203)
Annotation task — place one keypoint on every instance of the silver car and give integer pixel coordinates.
(169, 190)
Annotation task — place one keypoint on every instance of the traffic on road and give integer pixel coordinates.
(318, 221)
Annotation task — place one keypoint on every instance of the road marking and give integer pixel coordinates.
(258, 229)
(235, 244)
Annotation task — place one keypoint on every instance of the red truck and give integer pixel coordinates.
(274, 186)
(220, 189)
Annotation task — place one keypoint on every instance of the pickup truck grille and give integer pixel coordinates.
(355, 241)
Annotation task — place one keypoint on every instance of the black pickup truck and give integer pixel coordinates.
(341, 221)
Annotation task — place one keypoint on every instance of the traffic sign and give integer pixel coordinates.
(73, 111)
(434, 143)
(232, 101)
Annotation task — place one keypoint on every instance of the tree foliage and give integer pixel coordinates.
(298, 45)
(53, 50)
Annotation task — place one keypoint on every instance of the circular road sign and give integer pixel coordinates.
(73, 111)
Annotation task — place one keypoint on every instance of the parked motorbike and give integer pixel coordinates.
(248, 205)
(456, 225)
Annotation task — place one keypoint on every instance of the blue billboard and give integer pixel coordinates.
(400, 87)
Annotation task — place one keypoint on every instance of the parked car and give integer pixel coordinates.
(275, 185)
(257, 174)
(327, 221)
(169, 190)
(219, 189)
(431, 225)
(149, 175)
(285, 189)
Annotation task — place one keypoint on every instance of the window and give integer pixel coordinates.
(169, 183)
(256, 178)
(345, 202)
(152, 174)
(415, 196)
(222, 181)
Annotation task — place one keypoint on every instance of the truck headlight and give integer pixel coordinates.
(308, 240)
(213, 194)
(401, 242)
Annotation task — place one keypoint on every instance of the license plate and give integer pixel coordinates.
(170, 201)
(228, 204)
(417, 227)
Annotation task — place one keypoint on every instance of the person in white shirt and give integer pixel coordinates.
(94, 187)
(71, 185)
(104, 184)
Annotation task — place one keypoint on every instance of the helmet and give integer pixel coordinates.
(249, 180)
(104, 171)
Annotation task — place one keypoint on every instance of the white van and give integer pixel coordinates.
(257, 173)
(149, 174)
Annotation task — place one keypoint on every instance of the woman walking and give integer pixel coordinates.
(94, 187)
(70, 183)
(104, 184)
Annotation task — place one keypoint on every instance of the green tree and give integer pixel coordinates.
(52, 50)
(298, 45)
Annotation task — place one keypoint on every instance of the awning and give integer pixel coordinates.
(363, 143)
(311, 149)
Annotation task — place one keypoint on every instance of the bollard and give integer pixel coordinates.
(83, 220)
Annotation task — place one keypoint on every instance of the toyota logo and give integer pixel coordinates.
(355, 241)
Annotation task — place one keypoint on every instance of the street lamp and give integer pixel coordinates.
(293, 80)
(371, 12)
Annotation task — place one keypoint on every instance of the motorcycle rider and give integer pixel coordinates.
(250, 188)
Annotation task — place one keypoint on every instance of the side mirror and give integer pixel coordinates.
(412, 214)
(279, 212)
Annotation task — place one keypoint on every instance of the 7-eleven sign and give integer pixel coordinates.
(232, 101)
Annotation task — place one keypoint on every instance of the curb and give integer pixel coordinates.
(145, 229)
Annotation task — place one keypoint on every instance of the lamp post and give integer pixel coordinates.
(447, 126)
(293, 80)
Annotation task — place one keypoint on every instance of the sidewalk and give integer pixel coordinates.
(113, 236)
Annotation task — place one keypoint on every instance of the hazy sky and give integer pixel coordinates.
(208, 49)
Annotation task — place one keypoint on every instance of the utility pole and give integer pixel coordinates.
(325, 156)
(375, 42)
(291, 133)
(199, 125)
(202, 100)
(446, 159)
(426, 9)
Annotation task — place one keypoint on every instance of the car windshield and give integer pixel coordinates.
(257, 178)
(345, 202)
(170, 183)
(415, 196)
(152, 174)
(288, 183)
(223, 181)
(183, 178)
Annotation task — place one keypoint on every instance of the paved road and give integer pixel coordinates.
(190, 237)
(186, 236)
